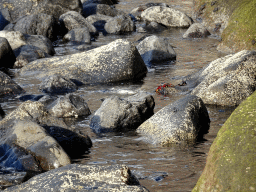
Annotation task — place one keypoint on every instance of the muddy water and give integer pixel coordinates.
(175, 168)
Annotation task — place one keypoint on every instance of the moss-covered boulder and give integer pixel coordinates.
(231, 164)
(232, 19)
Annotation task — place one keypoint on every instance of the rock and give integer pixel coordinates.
(99, 21)
(225, 81)
(8, 87)
(78, 35)
(15, 38)
(77, 177)
(117, 61)
(185, 120)
(102, 9)
(151, 27)
(3, 21)
(30, 111)
(7, 57)
(117, 114)
(107, 2)
(154, 49)
(230, 164)
(30, 97)
(69, 106)
(56, 85)
(119, 24)
(196, 30)
(2, 113)
(47, 99)
(38, 142)
(166, 16)
(72, 20)
(13, 9)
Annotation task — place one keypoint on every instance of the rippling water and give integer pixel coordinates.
(175, 168)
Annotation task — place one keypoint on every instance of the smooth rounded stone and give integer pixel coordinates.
(225, 81)
(8, 87)
(166, 16)
(78, 35)
(119, 24)
(117, 114)
(70, 140)
(196, 30)
(102, 9)
(107, 2)
(69, 106)
(185, 120)
(57, 84)
(72, 20)
(230, 164)
(77, 177)
(152, 27)
(33, 111)
(99, 21)
(116, 61)
(38, 142)
(7, 57)
(154, 49)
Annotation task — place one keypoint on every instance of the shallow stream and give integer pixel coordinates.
(175, 168)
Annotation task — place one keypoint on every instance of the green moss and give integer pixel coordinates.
(231, 161)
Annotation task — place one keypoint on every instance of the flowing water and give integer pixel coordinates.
(174, 168)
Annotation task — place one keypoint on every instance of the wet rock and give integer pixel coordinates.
(38, 142)
(107, 2)
(30, 97)
(166, 16)
(227, 80)
(75, 177)
(119, 24)
(72, 20)
(196, 30)
(185, 120)
(3, 21)
(230, 165)
(7, 57)
(117, 61)
(78, 35)
(8, 87)
(116, 113)
(56, 85)
(32, 25)
(155, 49)
(69, 106)
(151, 27)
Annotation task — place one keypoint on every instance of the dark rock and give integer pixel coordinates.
(213, 3)
(215, 9)
(217, 27)
(75, 177)
(107, 2)
(202, 7)
(196, 30)
(30, 97)
(185, 120)
(47, 99)
(119, 25)
(3, 21)
(69, 106)
(12, 178)
(56, 85)
(117, 114)
(116, 61)
(7, 57)
(78, 36)
(99, 21)
(2, 113)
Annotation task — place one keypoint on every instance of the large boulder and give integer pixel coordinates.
(78, 36)
(7, 57)
(117, 114)
(196, 30)
(167, 16)
(117, 61)
(230, 164)
(119, 24)
(76, 177)
(13, 9)
(185, 120)
(226, 81)
(155, 49)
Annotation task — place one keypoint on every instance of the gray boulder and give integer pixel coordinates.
(185, 120)
(99, 21)
(155, 49)
(8, 87)
(56, 85)
(119, 24)
(7, 57)
(225, 81)
(69, 106)
(72, 20)
(117, 114)
(196, 30)
(77, 177)
(78, 36)
(151, 27)
(116, 61)
(167, 16)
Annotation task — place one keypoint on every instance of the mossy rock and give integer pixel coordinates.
(237, 19)
(231, 164)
